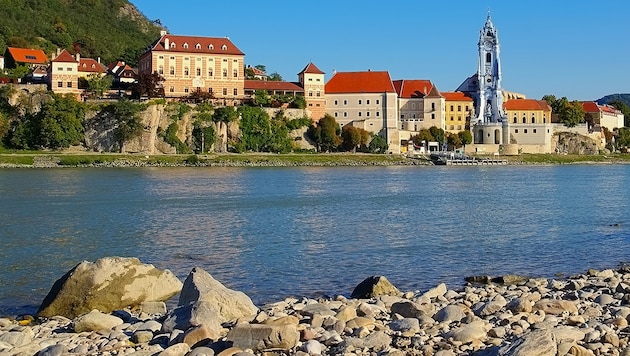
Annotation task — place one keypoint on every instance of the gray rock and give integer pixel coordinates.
(142, 336)
(154, 308)
(316, 309)
(18, 338)
(605, 299)
(450, 313)
(407, 326)
(149, 325)
(175, 350)
(374, 286)
(95, 321)
(376, 341)
(201, 351)
(476, 330)
(492, 306)
(520, 305)
(409, 309)
(539, 343)
(194, 314)
(260, 337)
(229, 304)
(54, 350)
(439, 290)
(567, 333)
(108, 284)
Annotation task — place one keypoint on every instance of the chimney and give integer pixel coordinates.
(163, 33)
(98, 59)
(77, 57)
(166, 44)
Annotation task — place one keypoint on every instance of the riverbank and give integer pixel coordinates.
(585, 314)
(54, 160)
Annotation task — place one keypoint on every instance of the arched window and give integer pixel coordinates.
(515, 121)
(488, 57)
(185, 45)
(173, 45)
(524, 120)
(210, 47)
(533, 120)
(224, 47)
(198, 46)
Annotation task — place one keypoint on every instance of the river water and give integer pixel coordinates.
(278, 232)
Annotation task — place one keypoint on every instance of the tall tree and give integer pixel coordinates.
(60, 123)
(466, 137)
(127, 120)
(98, 84)
(325, 134)
(149, 85)
(625, 110)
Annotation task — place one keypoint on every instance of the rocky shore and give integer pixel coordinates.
(585, 314)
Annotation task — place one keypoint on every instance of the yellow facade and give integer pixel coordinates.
(458, 110)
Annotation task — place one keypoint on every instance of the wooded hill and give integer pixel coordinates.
(612, 97)
(110, 29)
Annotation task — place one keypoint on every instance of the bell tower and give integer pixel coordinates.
(489, 125)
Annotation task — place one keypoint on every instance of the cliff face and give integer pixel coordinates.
(573, 143)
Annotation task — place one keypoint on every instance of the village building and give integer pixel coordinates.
(367, 100)
(599, 116)
(189, 64)
(458, 111)
(530, 124)
(63, 74)
(24, 56)
(88, 66)
(123, 74)
(420, 105)
(257, 73)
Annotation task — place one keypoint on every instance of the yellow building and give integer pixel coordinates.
(190, 64)
(458, 110)
(527, 111)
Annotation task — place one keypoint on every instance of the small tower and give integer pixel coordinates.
(489, 124)
(311, 79)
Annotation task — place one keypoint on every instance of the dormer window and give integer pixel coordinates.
(198, 46)
(185, 45)
(224, 47)
(210, 47)
(173, 45)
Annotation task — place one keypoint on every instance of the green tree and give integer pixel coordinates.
(299, 102)
(465, 137)
(624, 108)
(60, 123)
(20, 71)
(275, 77)
(573, 114)
(378, 144)
(99, 84)
(453, 140)
(423, 135)
(203, 137)
(224, 114)
(438, 134)
(128, 124)
(623, 139)
(325, 134)
(354, 137)
(255, 128)
(261, 98)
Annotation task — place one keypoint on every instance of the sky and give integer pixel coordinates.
(579, 49)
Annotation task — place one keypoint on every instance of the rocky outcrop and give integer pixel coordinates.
(574, 144)
(374, 286)
(229, 304)
(108, 284)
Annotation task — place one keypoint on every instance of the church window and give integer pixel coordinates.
(488, 57)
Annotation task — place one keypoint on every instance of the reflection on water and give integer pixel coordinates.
(275, 232)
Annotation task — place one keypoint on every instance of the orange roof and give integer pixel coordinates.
(413, 88)
(195, 44)
(24, 55)
(90, 65)
(65, 57)
(526, 104)
(258, 71)
(609, 109)
(311, 69)
(360, 82)
(456, 96)
(272, 85)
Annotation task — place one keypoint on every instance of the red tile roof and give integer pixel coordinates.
(91, 65)
(526, 104)
(258, 71)
(609, 109)
(24, 55)
(311, 69)
(412, 88)
(272, 85)
(456, 96)
(65, 57)
(360, 82)
(590, 106)
(195, 44)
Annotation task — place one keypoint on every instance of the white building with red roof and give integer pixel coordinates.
(89, 66)
(63, 74)
(603, 115)
(191, 63)
(14, 56)
(367, 100)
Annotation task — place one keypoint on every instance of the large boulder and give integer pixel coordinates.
(229, 304)
(373, 287)
(260, 337)
(108, 284)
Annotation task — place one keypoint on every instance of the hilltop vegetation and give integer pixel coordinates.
(110, 29)
(625, 98)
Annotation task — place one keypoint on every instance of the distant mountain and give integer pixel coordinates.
(612, 97)
(110, 29)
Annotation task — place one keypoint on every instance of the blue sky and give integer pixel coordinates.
(578, 49)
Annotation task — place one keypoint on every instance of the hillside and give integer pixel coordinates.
(609, 98)
(110, 29)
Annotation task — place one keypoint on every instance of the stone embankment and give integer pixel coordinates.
(585, 314)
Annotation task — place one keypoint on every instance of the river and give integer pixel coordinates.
(278, 232)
